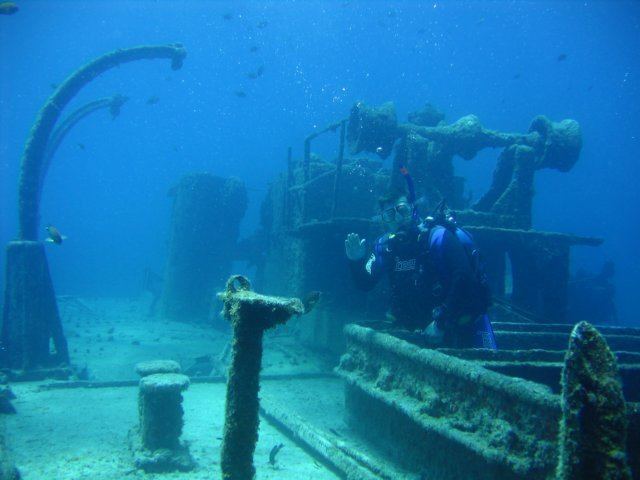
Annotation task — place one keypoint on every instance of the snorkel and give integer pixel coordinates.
(412, 192)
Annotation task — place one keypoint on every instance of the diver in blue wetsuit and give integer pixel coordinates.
(437, 286)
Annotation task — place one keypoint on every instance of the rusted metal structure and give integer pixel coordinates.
(310, 209)
(500, 411)
(250, 314)
(205, 219)
(30, 317)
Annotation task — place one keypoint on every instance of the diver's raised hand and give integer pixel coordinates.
(354, 247)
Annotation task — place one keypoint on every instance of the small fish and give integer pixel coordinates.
(240, 93)
(153, 100)
(310, 300)
(254, 49)
(379, 150)
(262, 24)
(274, 452)
(517, 76)
(116, 105)
(8, 8)
(53, 86)
(54, 235)
(80, 146)
(227, 16)
(562, 57)
(258, 73)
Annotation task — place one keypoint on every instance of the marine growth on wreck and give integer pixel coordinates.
(185, 247)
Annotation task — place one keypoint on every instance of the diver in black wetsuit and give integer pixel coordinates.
(433, 270)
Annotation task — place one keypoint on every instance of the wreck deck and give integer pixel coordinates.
(498, 410)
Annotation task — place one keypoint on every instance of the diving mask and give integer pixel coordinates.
(402, 209)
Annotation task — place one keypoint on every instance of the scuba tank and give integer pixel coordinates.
(481, 293)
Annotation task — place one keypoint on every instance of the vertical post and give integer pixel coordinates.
(250, 315)
(338, 180)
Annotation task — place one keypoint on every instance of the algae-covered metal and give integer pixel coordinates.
(250, 315)
(593, 430)
(424, 407)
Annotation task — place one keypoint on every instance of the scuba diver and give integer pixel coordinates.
(433, 266)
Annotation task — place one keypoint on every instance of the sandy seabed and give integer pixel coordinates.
(81, 433)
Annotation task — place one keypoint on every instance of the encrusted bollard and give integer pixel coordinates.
(250, 315)
(593, 429)
(160, 406)
(150, 367)
(157, 446)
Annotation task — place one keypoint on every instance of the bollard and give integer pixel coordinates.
(150, 367)
(250, 315)
(156, 443)
(160, 407)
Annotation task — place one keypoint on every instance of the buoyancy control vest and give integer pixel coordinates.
(480, 294)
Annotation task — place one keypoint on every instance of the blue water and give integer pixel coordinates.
(498, 60)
